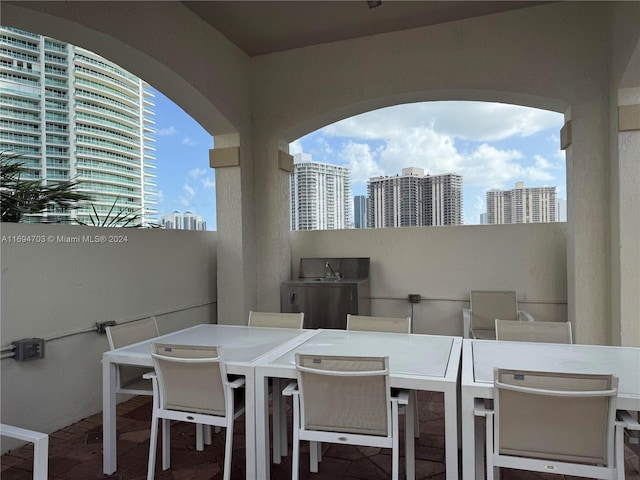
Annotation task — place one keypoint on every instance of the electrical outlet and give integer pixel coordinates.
(414, 298)
(28, 349)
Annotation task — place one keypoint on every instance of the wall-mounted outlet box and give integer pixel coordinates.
(414, 298)
(28, 349)
(101, 326)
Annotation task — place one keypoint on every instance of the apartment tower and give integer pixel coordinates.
(320, 195)
(414, 199)
(69, 114)
(360, 209)
(522, 205)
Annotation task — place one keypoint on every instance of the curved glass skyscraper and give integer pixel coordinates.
(71, 114)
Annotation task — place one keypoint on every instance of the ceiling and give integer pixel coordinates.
(261, 27)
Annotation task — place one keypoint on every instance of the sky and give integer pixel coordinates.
(491, 145)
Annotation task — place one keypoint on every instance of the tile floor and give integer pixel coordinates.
(75, 452)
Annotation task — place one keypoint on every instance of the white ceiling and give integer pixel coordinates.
(261, 27)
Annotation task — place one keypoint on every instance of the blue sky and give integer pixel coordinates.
(491, 145)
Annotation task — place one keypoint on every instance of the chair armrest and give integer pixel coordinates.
(480, 409)
(401, 396)
(238, 382)
(150, 375)
(525, 316)
(627, 420)
(290, 389)
(466, 322)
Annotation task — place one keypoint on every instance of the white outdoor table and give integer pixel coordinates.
(241, 346)
(481, 356)
(418, 362)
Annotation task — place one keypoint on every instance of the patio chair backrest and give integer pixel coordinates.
(274, 319)
(555, 416)
(133, 332)
(379, 324)
(487, 305)
(543, 332)
(127, 334)
(191, 378)
(345, 393)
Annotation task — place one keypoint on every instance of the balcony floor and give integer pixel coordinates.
(75, 452)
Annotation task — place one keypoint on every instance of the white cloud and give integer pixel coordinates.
(197, 172)
(190, 142)
(476, 121)
(360, 160)
(208, 182)
(165, 132)
(295, 147)
(160, 196)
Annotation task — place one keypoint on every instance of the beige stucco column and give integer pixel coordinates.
(627, 298)
(232, 160)
(586, 145)
(273, 168)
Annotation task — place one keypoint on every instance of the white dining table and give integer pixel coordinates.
(480, 357)
(242, 347)
(417, 362)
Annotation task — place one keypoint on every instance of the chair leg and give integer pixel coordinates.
(228, 451)
(416, 420)
(295, 455)
(166, 443)
(410, 438)
(276, 400)
(313, 456)
(153, 443)
(199, 437)
(491, 469)
(207, 435)
(284, 444)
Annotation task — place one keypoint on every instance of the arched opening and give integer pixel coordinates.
(490, 146)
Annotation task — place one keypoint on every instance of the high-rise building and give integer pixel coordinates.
(182, 221)
(522, 205)
(414, 199)
(69, 114)
(360, 211)
(320, 195)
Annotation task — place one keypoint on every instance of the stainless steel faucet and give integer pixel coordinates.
(334, 274)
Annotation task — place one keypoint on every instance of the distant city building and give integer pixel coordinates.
(414, 199)
(320, 195)
(360, 211)
(483, 219)
(70, 114)
(522, 205)
(183, 221)
(562, 210)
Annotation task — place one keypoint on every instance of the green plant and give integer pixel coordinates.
(20, 197)
(113, 218)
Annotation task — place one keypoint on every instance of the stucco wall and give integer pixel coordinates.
(443, 264)
(58, 290)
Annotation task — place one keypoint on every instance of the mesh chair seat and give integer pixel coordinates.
(544, 332)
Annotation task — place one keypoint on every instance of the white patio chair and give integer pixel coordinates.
(40, 447)
(191, 385)
(543, 332)
(379, 324)
(275, 319)
(279, 406)
(478, 321)
(555, 423)
(391, 325)
(343, 400)
(129, 378)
